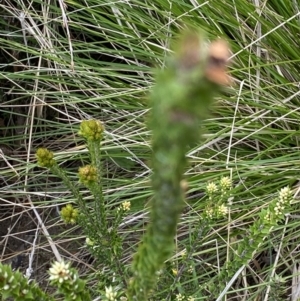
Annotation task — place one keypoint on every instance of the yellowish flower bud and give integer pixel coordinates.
(87, 174)
(69, 214)
(45, 157)
(91, 130)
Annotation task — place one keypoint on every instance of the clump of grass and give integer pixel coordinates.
(62, 64)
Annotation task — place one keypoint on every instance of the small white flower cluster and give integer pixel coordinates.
(225, 183)
(217, 211)
(285, 197)
(222, 210)
(190, 269)
(125, 206)
(209, 212)
(268, 216)
(217, 194)
(211, 188)
(60, 271)
(61, 274)
(179, 297)
(110, 293)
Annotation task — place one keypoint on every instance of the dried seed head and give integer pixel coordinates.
(189, 52)
(216, 69)
(184, 185)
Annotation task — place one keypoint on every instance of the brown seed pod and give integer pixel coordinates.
(216, 68)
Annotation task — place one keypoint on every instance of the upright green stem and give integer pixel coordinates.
(96, 188)
(180, 100)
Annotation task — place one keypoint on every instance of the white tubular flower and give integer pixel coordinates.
(285, 195)
(225, 183)
(179, 297)
(222, 210)
(110, 294)
(126, 206)
(211, 188)
(60, 271)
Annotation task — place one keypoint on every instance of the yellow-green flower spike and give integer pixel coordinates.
(45, 158)
(91, 130)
